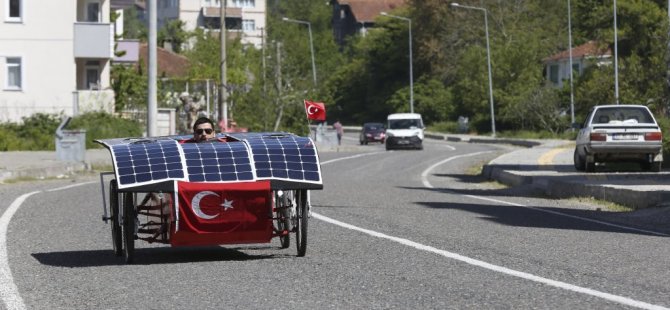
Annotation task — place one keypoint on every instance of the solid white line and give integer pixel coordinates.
(349, 157)
(71, 186)
(424, 174)
(8, 290)
(479, 263)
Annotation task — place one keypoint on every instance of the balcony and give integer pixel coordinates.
(93, 40)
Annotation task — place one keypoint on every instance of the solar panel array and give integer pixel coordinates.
(143, 162)
(217, 162)
(283, 156)
(246, 157)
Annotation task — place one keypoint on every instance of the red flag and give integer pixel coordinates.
(315, 110)
(223, 213)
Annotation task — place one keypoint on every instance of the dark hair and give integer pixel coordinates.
(202, 120)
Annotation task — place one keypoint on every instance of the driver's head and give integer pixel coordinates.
(203, 130)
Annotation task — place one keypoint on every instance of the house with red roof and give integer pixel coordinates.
(557, 66)
(356, 16)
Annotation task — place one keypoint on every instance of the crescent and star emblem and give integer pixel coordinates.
(310, 111)
(195, 205)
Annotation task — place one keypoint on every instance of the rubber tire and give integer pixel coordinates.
(590, 167)
(282, 222)
(117, 239)
(301, 222)
(579, 161)
(651, 167)
(128, 228)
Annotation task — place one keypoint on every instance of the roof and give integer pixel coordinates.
(169, 64)
(588, 49)
(368, 10)
(404, 116)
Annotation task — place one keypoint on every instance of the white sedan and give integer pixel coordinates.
(619, 133)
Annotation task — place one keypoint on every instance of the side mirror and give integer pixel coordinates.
(576, 126)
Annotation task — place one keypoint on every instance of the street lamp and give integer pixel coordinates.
(411, 74)
(572, 96)
(616, 61)
(488, 59)
(311, 44)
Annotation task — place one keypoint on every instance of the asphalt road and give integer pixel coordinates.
(400, 229)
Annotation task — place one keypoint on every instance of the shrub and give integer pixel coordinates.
(35, 133)
(101, 125)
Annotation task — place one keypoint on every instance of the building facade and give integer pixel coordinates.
(244, 18)
(54, 57)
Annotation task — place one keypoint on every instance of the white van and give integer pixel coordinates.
(404, 130)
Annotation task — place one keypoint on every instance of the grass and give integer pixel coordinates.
(603, 205)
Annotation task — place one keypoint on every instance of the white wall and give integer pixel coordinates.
(44, 41)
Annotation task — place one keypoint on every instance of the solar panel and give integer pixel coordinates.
(144, 162)
(217, 162)
(284, 156)
(245, 157)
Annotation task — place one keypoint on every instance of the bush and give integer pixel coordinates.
(101, 125)
(664, 123)
(35, 133)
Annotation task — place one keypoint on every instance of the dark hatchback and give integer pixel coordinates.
(372, 132)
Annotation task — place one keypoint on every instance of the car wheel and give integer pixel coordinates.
(387, 147)
(590, 167)
(652, 167)
(579, 161)
(365, 142)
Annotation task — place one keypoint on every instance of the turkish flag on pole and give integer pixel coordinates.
(315, 110)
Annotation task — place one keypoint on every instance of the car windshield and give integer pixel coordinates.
(622, 115)
(373, 127)
(405, 123)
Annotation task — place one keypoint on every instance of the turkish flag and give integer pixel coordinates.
(223, 213)
(315, 110)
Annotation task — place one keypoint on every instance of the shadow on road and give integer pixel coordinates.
(150, 256)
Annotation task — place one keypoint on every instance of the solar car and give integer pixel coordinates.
(244, 188)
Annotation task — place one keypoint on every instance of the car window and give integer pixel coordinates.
(405, 123)
(370, 127)
(616, 115)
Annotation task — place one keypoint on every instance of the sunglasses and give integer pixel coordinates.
(206, 130)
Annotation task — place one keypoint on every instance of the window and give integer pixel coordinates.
(553, 73)
(13, 9)
(92, 74)
(93, 12)
(248, 25)
(13, 73)
(242, 3)
(575, 68)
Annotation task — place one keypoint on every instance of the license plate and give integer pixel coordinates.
(403, 142)
(624, 136)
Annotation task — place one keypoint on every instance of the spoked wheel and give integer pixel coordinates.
(129, 223)
(301, 221)
(115, 218)
(282, 219)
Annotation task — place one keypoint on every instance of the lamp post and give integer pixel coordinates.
(572, 96)
(311, 44)
(488, 59)
(411, 74)
(616, 61)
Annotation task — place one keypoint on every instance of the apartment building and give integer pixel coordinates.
(244, 18)
(54, 57)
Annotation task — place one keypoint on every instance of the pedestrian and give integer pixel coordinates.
(338, 129)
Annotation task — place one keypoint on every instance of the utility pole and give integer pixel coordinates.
(279, 86)
(152, 105)
(223, 94)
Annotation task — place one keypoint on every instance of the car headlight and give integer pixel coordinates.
(389, 134)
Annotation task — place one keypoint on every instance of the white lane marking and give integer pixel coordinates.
(479, 263)
(424, 174)
(426, 183)
(71, 186)
(8, 290)
(349, 157)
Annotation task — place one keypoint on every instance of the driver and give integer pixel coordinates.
(203, 131)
